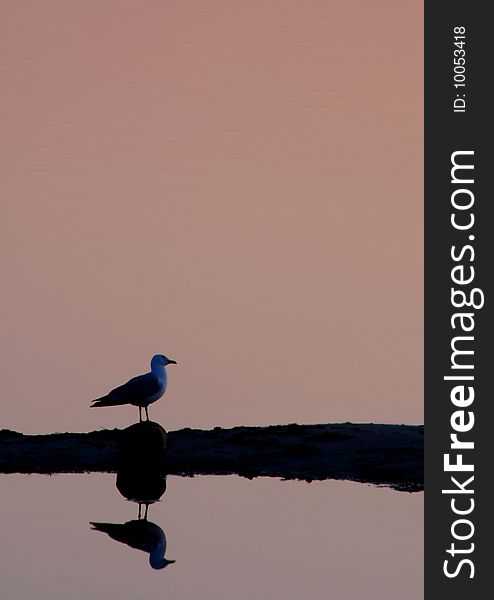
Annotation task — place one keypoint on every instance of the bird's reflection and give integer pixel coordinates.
(142, 535)
(144, 486)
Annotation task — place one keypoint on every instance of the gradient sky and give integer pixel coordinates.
(235, 184)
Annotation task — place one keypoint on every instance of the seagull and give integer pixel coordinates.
(142, 390)
(142, 535)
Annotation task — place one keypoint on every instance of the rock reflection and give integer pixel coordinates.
(142, 486)
(141, 478)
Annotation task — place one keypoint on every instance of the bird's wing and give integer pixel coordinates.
(136, 389)
(136, 534)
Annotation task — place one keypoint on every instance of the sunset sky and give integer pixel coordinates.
(235, 184)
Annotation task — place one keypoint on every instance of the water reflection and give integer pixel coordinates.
(140, 534)
(141, 478)
(141, 486)
(364, 542)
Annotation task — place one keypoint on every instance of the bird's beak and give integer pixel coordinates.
(172, 362)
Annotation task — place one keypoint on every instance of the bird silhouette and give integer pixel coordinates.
(142, 535)
(142, 390)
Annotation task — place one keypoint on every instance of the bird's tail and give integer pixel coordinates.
(106, 401)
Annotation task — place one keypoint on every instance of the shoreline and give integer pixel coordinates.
(388, 455)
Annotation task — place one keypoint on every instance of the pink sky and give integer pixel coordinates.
(235, 184)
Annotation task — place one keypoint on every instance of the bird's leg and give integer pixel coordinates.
(139, 514)
(140, 414)
(147, 414)
(146, 506)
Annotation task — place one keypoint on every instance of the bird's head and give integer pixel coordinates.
(161, 359)
(160, 563)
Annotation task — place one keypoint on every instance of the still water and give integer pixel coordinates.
(230, 538)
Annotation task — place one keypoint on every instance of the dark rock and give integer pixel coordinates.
(142, 444)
